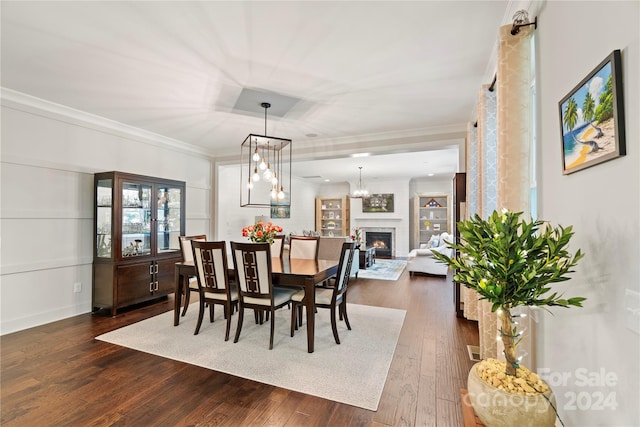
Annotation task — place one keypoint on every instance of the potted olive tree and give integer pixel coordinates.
(511, 262)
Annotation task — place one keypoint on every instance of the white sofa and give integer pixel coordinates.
(421, 260)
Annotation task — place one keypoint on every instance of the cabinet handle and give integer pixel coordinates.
(156, 286)
(156, 269)
(150, 286)
(150, 269)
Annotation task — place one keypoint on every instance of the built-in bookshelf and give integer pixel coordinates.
(332, 216)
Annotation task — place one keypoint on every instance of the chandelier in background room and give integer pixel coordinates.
(361, 191)
(265, 173)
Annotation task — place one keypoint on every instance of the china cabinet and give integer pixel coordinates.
(430, 216)
(332, 216)
(137, 222)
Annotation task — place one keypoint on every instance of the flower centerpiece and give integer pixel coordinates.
(357, 236)
(511, 262)
(261, 232)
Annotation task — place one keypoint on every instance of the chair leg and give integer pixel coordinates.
(343, 310)
(239, 327)
(200, 316)
(187, 298)
(273, 327)
(294, 319)
(228, 308)
(334, 327)
(211, 312)
(300, 315)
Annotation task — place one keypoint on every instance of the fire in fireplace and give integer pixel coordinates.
(382, 241)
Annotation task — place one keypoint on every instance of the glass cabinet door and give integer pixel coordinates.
(169, 218)
(104, 210)
(136, 219)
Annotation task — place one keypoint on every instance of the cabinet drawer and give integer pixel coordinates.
(166, 276)
(134, 283)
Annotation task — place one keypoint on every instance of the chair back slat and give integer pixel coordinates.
(344, 267)
(252, 263)
(303, 247)
(185, 246)
(210, 259)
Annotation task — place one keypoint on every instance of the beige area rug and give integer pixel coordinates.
(353, 372)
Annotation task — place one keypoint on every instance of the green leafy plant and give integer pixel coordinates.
(511, 262)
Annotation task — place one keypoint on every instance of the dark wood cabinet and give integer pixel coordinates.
(137, 223)
(459, 206)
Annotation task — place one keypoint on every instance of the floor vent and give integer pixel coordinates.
(474, 352)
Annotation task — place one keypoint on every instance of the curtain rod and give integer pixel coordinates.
(516, 27)
(493, 83)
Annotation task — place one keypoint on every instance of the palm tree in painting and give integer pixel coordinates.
(589, 112)
(571, 115)
(570, 120)
(605, 109)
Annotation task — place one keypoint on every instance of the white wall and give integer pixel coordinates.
(602, 203)
(231, 218)
(49, 155)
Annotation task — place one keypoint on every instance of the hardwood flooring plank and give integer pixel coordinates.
(449, 413)
(58, 374)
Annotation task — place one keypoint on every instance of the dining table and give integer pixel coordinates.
(285, 272)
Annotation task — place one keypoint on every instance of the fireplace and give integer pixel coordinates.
(382, 241)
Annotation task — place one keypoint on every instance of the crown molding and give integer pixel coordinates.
(30, 104)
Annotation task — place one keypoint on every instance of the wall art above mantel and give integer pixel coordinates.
(377, 203)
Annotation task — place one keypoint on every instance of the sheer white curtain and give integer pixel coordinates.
(498, 159)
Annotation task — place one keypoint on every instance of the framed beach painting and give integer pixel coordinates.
(592, 118)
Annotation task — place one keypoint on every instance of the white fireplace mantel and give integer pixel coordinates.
(377, 219)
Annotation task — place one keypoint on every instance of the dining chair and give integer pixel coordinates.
(252, 263)
(277, 246)
(212, 276)
(187, 258)
(332, 297)
(303, 247)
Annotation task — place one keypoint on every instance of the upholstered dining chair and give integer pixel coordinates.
(332, 297)
(187, 258)
(303, 247)
(212, 275)
(277, 246)
(252, 263)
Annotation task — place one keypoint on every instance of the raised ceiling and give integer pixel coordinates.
(343, 77)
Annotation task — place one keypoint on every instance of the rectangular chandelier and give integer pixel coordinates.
(265, 172)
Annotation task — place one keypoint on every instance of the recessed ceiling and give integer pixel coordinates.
(355, 74)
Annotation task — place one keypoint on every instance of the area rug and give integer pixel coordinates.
(353, 372)
(384, 269)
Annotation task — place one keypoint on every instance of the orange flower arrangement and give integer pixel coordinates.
(261, 232)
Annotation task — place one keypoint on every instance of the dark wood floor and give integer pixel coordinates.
(59, 375)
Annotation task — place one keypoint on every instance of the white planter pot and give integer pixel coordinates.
(497, 408)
